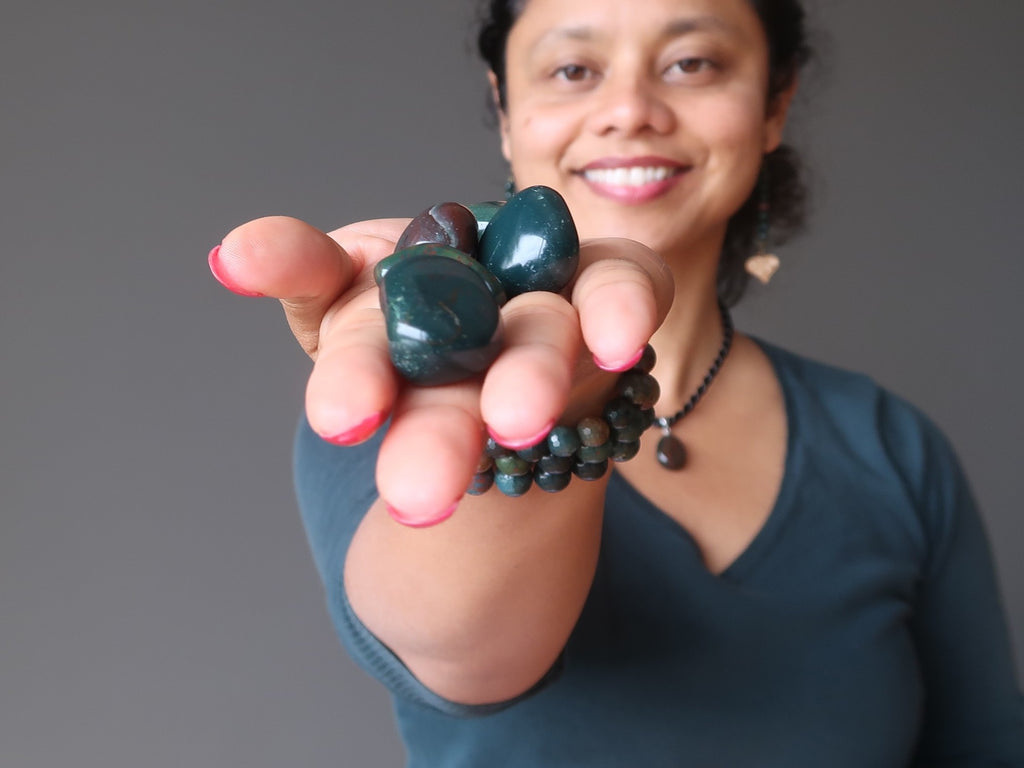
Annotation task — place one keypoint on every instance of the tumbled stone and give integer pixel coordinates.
(432, 249)
(531, 243)
(442, 322)
(484, 212)
(448, 224)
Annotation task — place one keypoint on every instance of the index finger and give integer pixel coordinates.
(307, 269)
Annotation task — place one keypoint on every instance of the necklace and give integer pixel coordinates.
(671, 451)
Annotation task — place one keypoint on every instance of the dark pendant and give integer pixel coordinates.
(671, 452)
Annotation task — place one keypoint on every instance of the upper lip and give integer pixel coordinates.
(648, 161)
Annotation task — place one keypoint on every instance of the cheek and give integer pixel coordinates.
(734, 134)
(540, 135)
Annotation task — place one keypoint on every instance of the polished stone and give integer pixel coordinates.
(448, 224)
(432, 249)
(443, 324)
(531, 243)
(484, 212)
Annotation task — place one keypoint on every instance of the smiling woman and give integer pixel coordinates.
(810, 586)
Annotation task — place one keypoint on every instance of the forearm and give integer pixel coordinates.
(480, 606)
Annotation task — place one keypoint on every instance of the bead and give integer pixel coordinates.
(593, 430)
(512, 485)
(442, 322)
(512, 464)
(590, 471)
(671, 452)
(563, 441)
(486, 462)
(647, 360)
(639, 387)
(594, 454)
(534, 453)
(627, 420)
(624, 450)
(494, 450)
(531, 243)
(555, 465)
(481, 483)
(552, 482)
(448, 224)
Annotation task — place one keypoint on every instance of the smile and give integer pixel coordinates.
(636, 176)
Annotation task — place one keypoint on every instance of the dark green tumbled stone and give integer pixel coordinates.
(552, 482)
(563, 441)
(433, 249)
(513, 485)
(531, 243)
(590, 471)
(448, 224)
(481, 483)
(442, 322)
(484, 212)
(512, 464)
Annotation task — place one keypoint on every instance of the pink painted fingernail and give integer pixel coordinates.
(621, 366)
(218, 272)
(426, 522)
(516, 445)
(359, 432)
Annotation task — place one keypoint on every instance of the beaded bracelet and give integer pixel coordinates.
(583, 450)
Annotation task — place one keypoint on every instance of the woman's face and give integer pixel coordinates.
(649, 116)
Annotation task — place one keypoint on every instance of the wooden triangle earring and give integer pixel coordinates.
(762, 264)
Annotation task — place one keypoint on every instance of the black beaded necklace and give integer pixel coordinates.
(671, 451)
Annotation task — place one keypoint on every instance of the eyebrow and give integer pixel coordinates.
(676, 28)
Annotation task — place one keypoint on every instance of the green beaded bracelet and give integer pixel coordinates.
(584, 450)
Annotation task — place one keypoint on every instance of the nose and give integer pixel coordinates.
(630, 104)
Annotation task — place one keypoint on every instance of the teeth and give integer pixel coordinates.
(628, 177)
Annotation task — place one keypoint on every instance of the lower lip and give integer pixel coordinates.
(634, 195)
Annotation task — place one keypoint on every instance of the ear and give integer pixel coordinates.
(775, 120)
(506, 148)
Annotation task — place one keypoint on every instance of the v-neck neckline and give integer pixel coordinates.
(746, 562)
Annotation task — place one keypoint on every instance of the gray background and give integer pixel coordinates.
(158, 606)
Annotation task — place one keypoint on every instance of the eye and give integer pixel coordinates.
(693, 65)
(573, 73)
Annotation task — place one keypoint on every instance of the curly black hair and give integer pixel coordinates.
(789, 51)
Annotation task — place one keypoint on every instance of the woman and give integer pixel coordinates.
(812, 588)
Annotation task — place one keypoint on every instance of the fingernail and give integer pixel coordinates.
(359, 432)
(425, 522)
(218, 272)
(620, 366)
(516, 445)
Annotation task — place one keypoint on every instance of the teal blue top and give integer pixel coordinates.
(862, 627)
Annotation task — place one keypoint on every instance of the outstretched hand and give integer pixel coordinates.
(621, 294)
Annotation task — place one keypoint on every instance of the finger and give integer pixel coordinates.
(622, 294)
(353, 385)
(430, 452)
(307, 269)
(526, 389)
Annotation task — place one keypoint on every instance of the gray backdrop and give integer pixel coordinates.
(158, 606)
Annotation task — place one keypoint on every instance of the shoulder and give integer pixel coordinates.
(847, 420)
